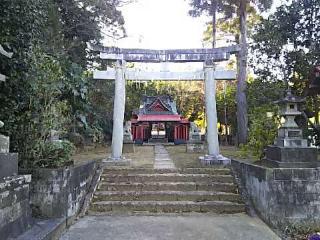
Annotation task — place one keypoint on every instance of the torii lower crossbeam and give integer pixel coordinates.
(165, 76)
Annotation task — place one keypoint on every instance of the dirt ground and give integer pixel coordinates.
(144, 155)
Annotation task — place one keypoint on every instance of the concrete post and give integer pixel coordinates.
(118, 112)
(213, 157)
(211, 110)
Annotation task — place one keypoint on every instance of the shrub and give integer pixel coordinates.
(262, 131)
(54, 154)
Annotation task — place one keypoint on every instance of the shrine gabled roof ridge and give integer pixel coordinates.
(166, 101)
(158, 98)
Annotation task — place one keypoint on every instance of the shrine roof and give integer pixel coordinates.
(158, 109)
(159, 118)
(157, 105)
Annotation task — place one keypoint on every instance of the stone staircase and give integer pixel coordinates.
(147, 190)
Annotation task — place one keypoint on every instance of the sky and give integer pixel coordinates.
(161, 24)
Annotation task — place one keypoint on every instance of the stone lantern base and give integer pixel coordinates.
(128, 147)
(110, 161)
(284, 157)
(208, 160)
(195, 146)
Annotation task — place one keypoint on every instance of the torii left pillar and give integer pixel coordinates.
(118, 116)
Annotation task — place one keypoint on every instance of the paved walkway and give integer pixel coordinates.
(162, 159)
(200, 227)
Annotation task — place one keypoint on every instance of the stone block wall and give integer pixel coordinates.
(59, 193)
(15, 212)
(8, 164)
(282, 196)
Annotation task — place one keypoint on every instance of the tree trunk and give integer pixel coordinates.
(242, 115)
(214, 23)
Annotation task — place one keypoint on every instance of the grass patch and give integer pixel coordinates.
(182, 159)
(143, 156)
(91, 153)
(234, 152)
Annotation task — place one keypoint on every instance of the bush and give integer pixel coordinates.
(76, 138)
(262, 131)
(296, 232)
(54, 154)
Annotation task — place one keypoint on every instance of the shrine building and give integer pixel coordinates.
(157, 120)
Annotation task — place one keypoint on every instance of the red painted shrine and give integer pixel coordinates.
(157, 120)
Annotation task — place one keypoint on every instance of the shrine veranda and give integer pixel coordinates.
(207, 56)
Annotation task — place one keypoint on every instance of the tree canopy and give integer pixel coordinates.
(47, 85)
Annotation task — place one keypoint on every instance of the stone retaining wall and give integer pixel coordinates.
(15, 212)
(282, 196)
(57, 193)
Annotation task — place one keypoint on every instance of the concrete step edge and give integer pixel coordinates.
(169, 170)
(166, 183)
(197, 193)
(162, 203)
(167, 175)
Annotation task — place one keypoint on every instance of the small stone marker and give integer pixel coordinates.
(194, 145)
(128, 144)
(4, 141)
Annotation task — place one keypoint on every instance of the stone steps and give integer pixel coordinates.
(196, 196)
(125, 171)
(220, 207)
(167, 177)
(139, 190)
(167, 186)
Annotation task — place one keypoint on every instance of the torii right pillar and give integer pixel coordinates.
(214, 156)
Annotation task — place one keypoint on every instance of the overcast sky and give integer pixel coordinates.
(161, 24)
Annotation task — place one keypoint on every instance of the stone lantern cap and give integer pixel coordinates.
(290, 98)
(289, 105)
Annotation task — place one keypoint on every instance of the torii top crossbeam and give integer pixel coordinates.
(169, 55)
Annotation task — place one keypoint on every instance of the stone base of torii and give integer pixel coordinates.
(208, 56)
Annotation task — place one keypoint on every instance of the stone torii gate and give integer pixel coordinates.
(207, 56)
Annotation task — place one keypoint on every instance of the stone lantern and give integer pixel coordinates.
(290, 149)
(289, 134)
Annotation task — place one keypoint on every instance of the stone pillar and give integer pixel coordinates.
(118, 112)
(211, 111)
(213, 156)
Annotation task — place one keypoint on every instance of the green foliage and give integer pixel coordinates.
(287, 45)
(48, 85)
(53, 154)
(263, 130)
(200, 7)
(262, 93)
(231, 26)
(226, 104)
(298, 232)
(76, 23)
